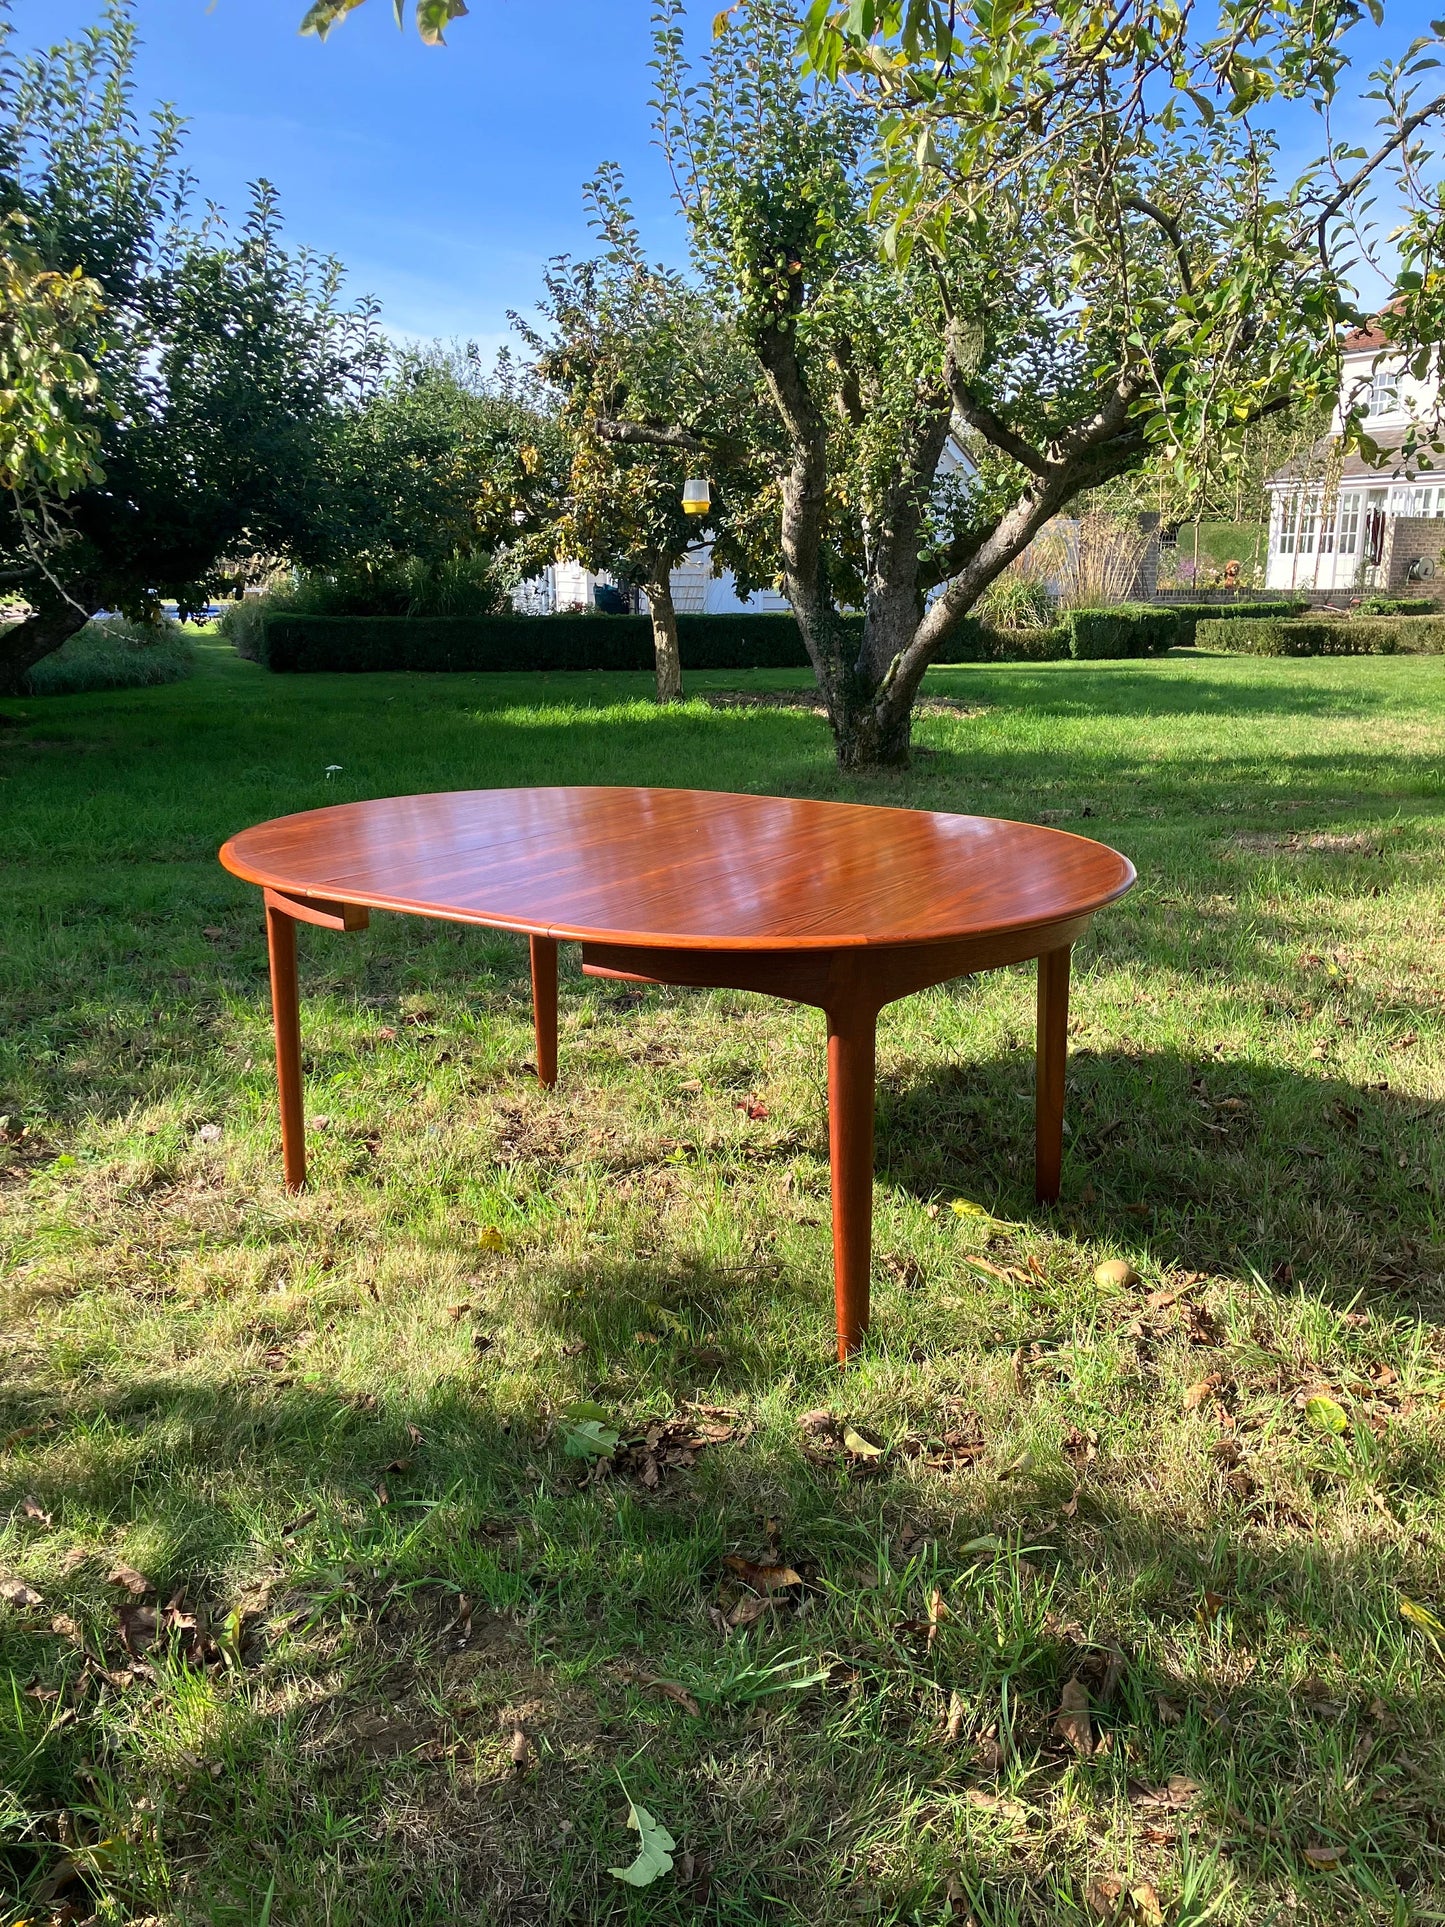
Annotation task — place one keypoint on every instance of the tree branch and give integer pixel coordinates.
(651, 437)
(1366, 168)
(986, 420)
(1170, 227)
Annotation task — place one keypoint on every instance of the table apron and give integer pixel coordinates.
(875, 974)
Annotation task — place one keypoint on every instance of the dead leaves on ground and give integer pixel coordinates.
(957, 1445)
(1109, 1899)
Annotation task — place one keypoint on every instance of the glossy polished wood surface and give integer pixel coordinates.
(684, 869)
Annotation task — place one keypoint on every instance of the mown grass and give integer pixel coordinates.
(328, 1429)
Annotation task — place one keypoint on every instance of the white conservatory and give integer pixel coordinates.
(1342, 526)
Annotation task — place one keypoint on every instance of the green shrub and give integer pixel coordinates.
(1329, 636)
(309, 643)
(1386, 605)
(242, 624)
(1016, 602)
(1190, 614)
(1128, 629)
(301, 643)
(113, 654)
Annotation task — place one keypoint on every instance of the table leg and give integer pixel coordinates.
(851, 1052)
(286, 1014)
(1053, 1051)
(544, 1006)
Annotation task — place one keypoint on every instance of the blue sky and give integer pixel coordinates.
(444, 178)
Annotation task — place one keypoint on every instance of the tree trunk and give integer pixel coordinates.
(38, 636)
(664, 639)
(873, 733)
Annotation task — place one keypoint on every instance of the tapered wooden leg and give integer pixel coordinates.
(286, 1012)
(1053, 1051)
(544, 1006)
(851, 1048)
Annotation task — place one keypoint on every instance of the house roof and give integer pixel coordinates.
(1361, 341)
(1395, 467)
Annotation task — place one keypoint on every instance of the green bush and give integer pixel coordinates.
(113, 654)
(1190, 614)
(243, 624)
(1016, 602)
(300, 643)
(1386, 605)
(1329, 636)
(1128, 629)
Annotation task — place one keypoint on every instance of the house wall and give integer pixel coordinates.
(1359, 375)
(1418, 543)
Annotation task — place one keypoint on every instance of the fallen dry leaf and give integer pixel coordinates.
(957, 1713)
(977, 1796)
(1072, 1724)
(749, 1609)
(762, 1578)
(15, 1592)
(860, 1445)
(1102, 1897)
(1144, 1905)
(31, 1508)
(667, 1689)
(135, 1583)
(1319, 1855)
(1196, 1394)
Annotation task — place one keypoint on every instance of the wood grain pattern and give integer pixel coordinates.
(842, 905)
(684, 868)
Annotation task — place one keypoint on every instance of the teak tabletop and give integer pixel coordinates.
(842, 905)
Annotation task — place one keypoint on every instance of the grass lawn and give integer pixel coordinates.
(1132, 1617)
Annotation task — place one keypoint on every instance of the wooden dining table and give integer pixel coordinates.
(845, 906)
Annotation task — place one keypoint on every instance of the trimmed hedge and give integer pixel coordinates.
(1129, 629)
(1387, 605)
(1329, 636)
(307, 644)
(1189, 615)
(301, 644)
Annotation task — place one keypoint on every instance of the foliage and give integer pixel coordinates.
(1327, 636)
(1016, 600)
(1126, 629)
(644, 364)
(432, 16)
(581, 642)
(1098, 196)
(223, 361)
(1384, 605)
(442, 461)
(48, 447)
(1188, 615)
(113, 654)
(1091, 561)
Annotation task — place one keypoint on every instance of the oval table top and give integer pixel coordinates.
(684, 869)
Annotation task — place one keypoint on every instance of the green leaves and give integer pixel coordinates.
(654, 1852)
(432, 16)
(589, 1435)
(1325, 1415)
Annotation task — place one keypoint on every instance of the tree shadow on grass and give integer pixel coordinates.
(1205, 1163)
(391, 1639)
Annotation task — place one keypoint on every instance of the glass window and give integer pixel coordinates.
(1384, 393)
(1308, 515)
(1349, 524)
(1288, 516)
